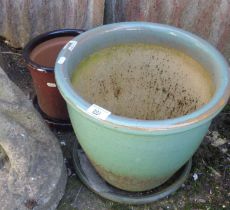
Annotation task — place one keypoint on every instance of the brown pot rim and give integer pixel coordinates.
(42, 38)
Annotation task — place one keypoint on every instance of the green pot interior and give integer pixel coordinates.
(141, 81)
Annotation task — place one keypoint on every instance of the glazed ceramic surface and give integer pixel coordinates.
(138, 155)
(40, 55)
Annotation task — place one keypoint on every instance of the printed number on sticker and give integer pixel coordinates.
(98, 112)
(72, 45)
(61, 60)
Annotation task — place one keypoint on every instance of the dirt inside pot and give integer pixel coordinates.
(4, 160)
(143, 81)
(45, 54)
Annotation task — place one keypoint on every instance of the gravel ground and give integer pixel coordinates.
(208, 185)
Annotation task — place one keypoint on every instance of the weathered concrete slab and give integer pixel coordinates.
(208, 19)
(21, 20)
(32, 171)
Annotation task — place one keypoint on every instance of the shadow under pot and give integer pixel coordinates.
(40, 55)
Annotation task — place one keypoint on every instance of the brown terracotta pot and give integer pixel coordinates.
(40, 55)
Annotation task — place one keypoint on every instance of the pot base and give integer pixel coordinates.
(63, 124)
(94, 182)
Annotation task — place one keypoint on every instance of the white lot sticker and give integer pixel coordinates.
(98, 112)
(51, 84)
(66, 45)
(72, 45)
(61, 60)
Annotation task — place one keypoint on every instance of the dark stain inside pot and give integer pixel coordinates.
(45, 54)
(143, 81)
(4, 160)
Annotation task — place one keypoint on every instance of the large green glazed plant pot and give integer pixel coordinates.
(138, 155)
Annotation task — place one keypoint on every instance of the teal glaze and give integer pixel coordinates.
(143, 151)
